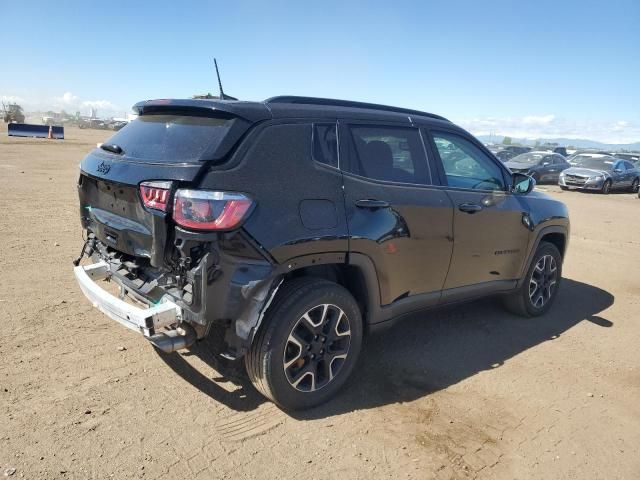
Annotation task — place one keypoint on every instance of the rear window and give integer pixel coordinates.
(172, 138)
(325, 144)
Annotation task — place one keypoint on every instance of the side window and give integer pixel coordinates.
(548, 159)
(394, 154)
(325, 144)
(619, 166)
(629, 165)
(465, 165)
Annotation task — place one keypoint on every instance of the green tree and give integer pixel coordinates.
(506, 141)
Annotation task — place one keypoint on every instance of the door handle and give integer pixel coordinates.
(469, 207)
(371, 203)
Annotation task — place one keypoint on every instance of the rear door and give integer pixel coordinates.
(547, 168)
(563, 164)
(632, 170)
(395, 215)
(630, 173)
(556, 165)
(490, 237)
(621, 178)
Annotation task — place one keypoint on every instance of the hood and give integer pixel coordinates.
(585, 172)
(520, 165)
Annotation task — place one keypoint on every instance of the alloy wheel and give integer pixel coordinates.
(317, 347)
(544, 279)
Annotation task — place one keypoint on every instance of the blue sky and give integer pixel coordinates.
(523, 68)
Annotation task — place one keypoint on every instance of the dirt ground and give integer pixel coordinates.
(466, 392)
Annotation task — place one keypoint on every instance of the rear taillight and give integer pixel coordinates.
(207, 210)
(155, 194)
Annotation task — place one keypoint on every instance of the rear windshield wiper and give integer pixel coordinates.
(113, 148)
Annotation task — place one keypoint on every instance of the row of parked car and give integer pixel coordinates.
(583, 170)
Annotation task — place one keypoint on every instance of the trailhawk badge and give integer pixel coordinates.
(103, 168)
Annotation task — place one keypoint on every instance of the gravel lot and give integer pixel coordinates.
(466, 392)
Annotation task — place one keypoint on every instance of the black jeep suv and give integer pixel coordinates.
(289, 228)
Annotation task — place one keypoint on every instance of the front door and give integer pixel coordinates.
(395, 215)
(489, 230)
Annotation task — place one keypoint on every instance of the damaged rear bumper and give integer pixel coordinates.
(143, 320)
(221, 295)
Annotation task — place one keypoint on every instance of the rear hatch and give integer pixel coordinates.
(171, 143)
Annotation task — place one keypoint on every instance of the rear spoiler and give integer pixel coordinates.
(244, 115)
(250, 111)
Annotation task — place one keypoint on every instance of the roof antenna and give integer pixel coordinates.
(210, 96)
(222, 95)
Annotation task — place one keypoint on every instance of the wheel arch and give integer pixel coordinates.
(355, 272)
(557, 235)
(558, 239)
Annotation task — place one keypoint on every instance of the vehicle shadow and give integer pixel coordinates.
(242, 397)
(423, 353)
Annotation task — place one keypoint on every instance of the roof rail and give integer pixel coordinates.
(348, 103)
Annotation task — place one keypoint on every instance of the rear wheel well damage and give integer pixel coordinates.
(240, 335)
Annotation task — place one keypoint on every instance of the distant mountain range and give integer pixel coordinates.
(576, 142)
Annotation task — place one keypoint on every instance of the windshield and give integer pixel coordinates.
(596, 163)
(530, 158)
(171, 138)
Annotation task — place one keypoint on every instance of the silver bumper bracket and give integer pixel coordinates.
(143, 320)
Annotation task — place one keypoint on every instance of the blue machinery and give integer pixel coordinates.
(37, 131)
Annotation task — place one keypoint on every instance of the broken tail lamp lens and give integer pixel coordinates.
(155, 194)
(207, 210)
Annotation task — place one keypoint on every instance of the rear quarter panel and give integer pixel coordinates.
(299, 202)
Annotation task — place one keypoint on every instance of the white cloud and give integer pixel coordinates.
(534, 120)
(620, 126)
(550, 126)
(104, 104)
(71, 102)
(67, 99)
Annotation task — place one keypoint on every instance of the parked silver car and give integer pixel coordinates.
(600, 173)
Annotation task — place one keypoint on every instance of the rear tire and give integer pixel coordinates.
(540, 285)
(307, 345)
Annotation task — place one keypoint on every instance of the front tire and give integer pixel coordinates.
(540, 285)
(307, 345)
(606, 187)
(635, 185)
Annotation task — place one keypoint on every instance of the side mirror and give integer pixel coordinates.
(544, 164)
(617, 170)
(522, 184)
